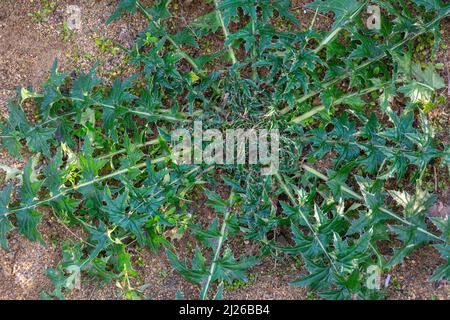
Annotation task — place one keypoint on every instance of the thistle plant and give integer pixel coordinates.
(350, 98)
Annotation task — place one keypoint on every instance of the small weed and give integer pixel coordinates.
(310, 295)
(163, 274)
(395, 283)
(66, 34)
(241, 284)
(140, 262)
(46, 7)
(106, 45)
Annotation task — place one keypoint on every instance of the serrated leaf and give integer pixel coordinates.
(320, 274)
(84, 85)
(416, 205)
(39, 140)
(27, 222)
(230, 9)
(17, 118)
(185, 37)
(123, 7)
(342, 9)
(30, 187)
(5, 225)
(428, 76)
(429, 5)
(206, 24)
(425, 83)
(119, 213)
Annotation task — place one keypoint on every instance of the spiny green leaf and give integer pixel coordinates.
(17, 118)
(443, 271)
(27, 221)
(120, 213)
(84, 85)
(39, 140)
(30, 187)
(230, 9)
(123, 7)
(429, 5)
(5, 225)
(425, 83)
(342, 9)
(320, 274)
(416, 205)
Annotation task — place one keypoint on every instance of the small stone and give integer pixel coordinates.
(74, 17)
(439, 210)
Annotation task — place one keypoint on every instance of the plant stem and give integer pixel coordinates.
(254, 71)
(347, 74)
(225, 32)
(177, 47)
(101, 104)
(308, 114)
(320, 108)
(142, 113)
(184, 54)
(336, 31)
(120, 151)
(223, 229)
(85, 184)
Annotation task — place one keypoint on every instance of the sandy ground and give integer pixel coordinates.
(27, 51)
